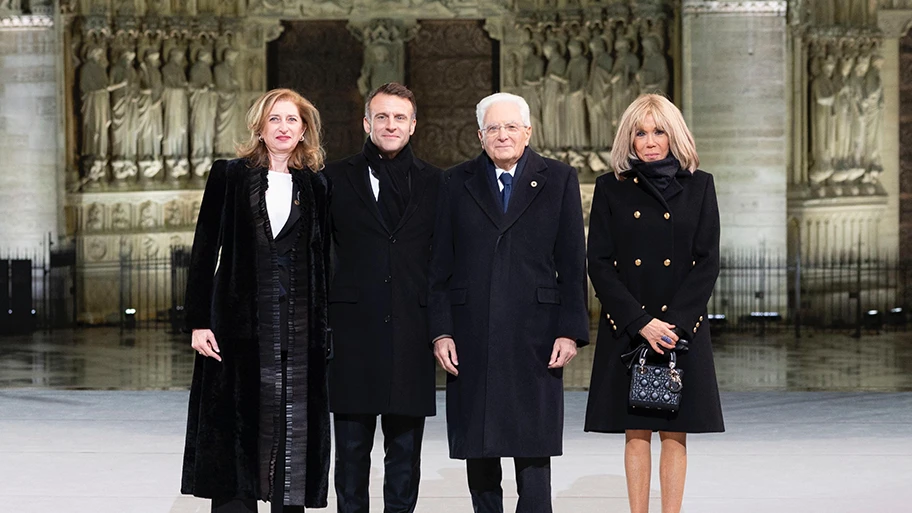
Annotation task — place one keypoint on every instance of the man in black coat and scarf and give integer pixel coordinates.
(507, 305)
(383, 212)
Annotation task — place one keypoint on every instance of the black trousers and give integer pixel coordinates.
(402, 437)
(533, 483)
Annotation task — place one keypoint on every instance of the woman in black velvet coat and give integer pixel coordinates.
(653, 260)
(258, 423)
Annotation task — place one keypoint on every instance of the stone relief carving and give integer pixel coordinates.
(384, 51)
(176, 115)
(229, 122)
(124, 86)
(150, 128)
(203, 105)
(96, 114)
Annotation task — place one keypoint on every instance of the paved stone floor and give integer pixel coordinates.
(92, 421)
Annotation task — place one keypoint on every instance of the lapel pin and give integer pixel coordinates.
(297, 202)
(534, 183)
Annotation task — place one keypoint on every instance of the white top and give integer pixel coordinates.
(375, 182)
(278, 200)
(499, 171)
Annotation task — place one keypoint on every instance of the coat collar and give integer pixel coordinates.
(674, 189)
(357, 174)
(525, 188)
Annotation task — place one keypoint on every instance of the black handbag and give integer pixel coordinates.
(656, 387)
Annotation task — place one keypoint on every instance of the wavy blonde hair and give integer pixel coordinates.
(667, 117)
(308, 153)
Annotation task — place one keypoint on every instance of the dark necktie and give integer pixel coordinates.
(507, 180)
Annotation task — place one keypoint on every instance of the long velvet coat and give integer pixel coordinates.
(505, 286)
(651, 257)
(382, 363)
(233, 289)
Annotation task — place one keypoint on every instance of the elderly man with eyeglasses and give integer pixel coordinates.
(507, 304)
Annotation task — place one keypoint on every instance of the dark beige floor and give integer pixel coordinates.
(103, 358)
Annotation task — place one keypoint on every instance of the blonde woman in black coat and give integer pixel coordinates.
(258, 423)
(653, 260)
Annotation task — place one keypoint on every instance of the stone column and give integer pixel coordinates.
(737, 106)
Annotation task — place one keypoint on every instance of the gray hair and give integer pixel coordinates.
(487, 101)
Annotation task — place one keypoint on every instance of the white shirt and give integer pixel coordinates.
(498, 171)
(375, 182)
(278, 200)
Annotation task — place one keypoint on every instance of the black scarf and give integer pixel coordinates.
(660, 173)
(395, 181)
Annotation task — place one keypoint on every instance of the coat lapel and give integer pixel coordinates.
(646, 186)
(295, 213)
(479, 188)
(419, 181)
(357, 175)
(525, 188)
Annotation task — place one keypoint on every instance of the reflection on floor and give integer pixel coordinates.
(103, 358)
(789, 452)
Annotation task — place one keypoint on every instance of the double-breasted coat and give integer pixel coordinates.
(505, 285)
(652, 257)
(234, 289)
(378, 298)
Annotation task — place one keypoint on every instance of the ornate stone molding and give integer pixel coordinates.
(894, 23)
(27, 21)
(751, 8)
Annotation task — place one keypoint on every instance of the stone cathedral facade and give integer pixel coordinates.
(112, 111)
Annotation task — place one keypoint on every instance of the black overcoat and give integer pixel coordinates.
(382, 363)
(651, 257)
(505, 286)
(233, 289)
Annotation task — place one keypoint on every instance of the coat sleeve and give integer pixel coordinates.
(570, 262)
(205, 253)
(440, 270)
(690, 300)
(327, 257)
(617, 302)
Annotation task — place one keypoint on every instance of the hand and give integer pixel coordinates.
(659, 334)
(564, 351)
(445, 352)
(203, 342)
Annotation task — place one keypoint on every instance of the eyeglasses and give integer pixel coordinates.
(493, 130)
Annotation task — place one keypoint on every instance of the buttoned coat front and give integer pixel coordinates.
(382, 363)
(652, 257)
(505, 286)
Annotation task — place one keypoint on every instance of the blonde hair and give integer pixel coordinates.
(667, 117)
(308, 153)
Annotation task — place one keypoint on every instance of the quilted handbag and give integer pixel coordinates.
(656, 387)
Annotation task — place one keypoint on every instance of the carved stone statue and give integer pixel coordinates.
(203, 103)
(823, 96)
(533, 70)
(554, 96)
(120, 218)
(149, 117)
(146, 215)
(598, 98)
(96, 114)
(379, 68)
(857, 156)
(843, 107)
(124, 86)
(623, 79)
(577, 125)
(872, 109)
(176, 119)
(229, 122)
(653, 76)
(94, 218)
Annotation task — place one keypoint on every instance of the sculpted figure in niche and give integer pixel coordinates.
(124, 95)
(149, 117)
(173, 214)
(872, 108)
(623, 79)
(843, 106)
(203, 103)
(857, 156)
(96, 113)
(577, 135)
(120, 218)
(823, 96)
(146, 215)
(598, 98)
(554, 96)
(533, 71)
(93, 218)
(653, 76)
(379, 68)
(229, 118)
(176, 119)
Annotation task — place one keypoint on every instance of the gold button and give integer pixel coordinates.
(701, 317)
(643, 307)
(636, 180)
(695, 330)
(693, 263)
(667, 215)
(697, 324)
(615, 328)
(664, 308)
(608, 316)
(637, 262)
(667, 262)
(636, 215)
(615, 263)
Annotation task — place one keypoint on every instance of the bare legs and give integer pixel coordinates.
(672, 469)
